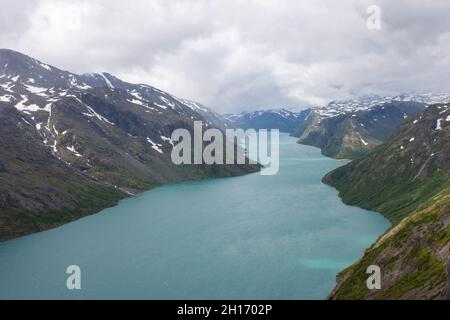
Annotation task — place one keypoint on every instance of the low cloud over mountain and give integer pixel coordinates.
(232, 55)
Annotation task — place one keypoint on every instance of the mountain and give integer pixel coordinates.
(74, 144)
(353, 131)
(367, 102)
(282, 119)
(407, 179)
(413, 163)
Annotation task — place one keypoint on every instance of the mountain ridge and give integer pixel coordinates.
(100, 132)
(283, 119)
(352, 134)
(407, 179)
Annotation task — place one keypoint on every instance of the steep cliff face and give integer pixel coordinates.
(407, 179)
(353, 134)
(74, 144)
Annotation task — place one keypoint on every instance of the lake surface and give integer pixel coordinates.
(252, 237)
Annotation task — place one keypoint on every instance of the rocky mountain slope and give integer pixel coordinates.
(406, 179)
(282, 119)
(353, 131)
(73, 144)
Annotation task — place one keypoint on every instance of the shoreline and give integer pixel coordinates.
(340, 198)
(213, 178)
(124, 195)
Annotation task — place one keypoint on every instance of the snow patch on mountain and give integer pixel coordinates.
(92, 113)
(160, 106)
(36, 90)
(362, 140)
(6, 98)
(167, 139)
(155, 146)
(45, 66)
(336, 108)
(107, 80)
(72, 149)
(27, 108)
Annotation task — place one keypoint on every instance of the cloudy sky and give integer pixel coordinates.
(237, 55)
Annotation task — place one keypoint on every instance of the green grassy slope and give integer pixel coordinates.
(37, 191)
(413, 258)
(407, 180)
(403, 172)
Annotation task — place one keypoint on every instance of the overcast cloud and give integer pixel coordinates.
(237, 55)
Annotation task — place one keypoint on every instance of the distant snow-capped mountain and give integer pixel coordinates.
(283, 119)
(352, 134)
(290, 121)
(335, 108)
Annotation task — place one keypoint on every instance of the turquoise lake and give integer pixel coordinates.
(251, 237)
